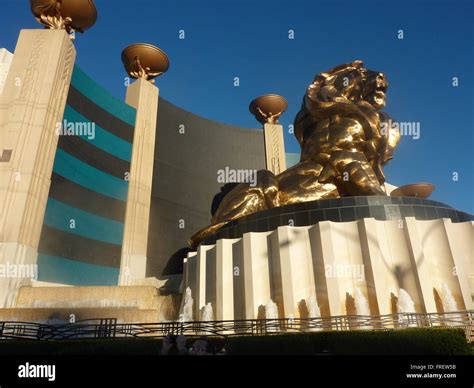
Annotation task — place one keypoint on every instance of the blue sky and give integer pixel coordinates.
(249, 40)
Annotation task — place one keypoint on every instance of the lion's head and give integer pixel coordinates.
(349, 88)
(350, 83)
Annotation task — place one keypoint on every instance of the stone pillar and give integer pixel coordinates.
(31, 106)
(224, 287)
(142, 95)
(274, 148)
(200, 292)
(257, 287)
(6, 58)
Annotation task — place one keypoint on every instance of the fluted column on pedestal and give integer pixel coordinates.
(144, 62)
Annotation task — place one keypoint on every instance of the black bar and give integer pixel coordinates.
(140, 371)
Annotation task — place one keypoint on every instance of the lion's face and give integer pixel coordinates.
(351, 82)
(374, 87)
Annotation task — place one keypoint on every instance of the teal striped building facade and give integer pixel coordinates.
(82, 233)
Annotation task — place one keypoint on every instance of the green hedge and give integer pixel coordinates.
(414, 341)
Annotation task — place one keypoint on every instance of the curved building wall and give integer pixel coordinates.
(189, 151)
(82, 230)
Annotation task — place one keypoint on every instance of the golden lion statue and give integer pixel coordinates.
(344, 145)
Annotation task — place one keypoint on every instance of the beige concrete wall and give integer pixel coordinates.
(142, 95)
(31, 106)
(336, 260)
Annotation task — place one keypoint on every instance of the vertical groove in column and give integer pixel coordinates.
(239, 304)
(200, 299)
(286, 299)
(420, 266)
(184, 284)
(248, 286)
(211, 277)
(274, 253)
(219, 279)
(191, 280)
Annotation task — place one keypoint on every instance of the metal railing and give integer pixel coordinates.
(109, 328)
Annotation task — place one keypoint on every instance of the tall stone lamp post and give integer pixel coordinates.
(143, 62)
(267, 109)
(31, 104)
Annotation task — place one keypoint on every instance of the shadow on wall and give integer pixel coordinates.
(216, 201)
(175, 262)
